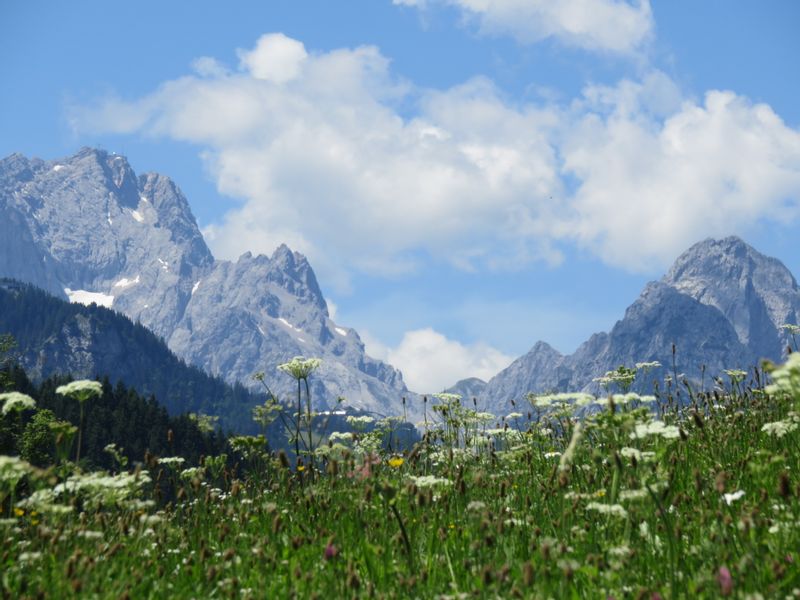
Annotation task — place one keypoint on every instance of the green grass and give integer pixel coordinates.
(704, 506)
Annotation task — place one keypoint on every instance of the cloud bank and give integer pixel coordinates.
(320, 156)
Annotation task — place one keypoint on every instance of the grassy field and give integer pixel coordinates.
(641, 497)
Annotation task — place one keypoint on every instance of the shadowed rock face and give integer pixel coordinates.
(722, 304)
(88, 224)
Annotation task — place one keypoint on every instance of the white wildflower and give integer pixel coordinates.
(780, 428)
(615, 510)
(300, 367)
(733, 497)
(429, 481)
(644, 430)
(342, 436)
(81, 390)
(16, 402)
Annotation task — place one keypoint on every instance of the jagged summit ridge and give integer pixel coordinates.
(87, 228)
(722, 304)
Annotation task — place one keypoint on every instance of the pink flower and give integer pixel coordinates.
(331, 551)
(725, 581)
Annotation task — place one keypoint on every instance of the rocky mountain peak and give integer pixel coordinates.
(86, 228)
(721, 305)
(755, 292)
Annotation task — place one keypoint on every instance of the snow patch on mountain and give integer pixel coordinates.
(87, 298)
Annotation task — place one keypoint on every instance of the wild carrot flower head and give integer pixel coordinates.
(81, 390)
(300, 367)
(16, 402)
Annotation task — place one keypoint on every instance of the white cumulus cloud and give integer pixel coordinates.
(430, 362)
(615, 26)
(655, 178)
(322, 159)
(275, 58)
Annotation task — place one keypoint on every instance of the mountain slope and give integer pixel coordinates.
(55, 337)
(87, 228)
(721, 304)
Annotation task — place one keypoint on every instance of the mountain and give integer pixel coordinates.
(721, 304)
(469, 388)
(88, 229)
(55, 337)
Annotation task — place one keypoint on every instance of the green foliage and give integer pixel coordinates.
(134, 354)
(38, 443)
(622, 496)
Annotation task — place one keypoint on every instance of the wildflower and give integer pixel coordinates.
(16, 402)
(633, 494)
(545, 400)
(337, 436)
(780, 428)
(359, 420)
(300, 367)
(396, 462)
(175, 461)
(29, 556)
(631, 453)
(331, 551)
(513, 415)
(733, 497)
(429, 481)
(476, 506)
(90, 535)
(81, 390)
(643, 430)
(12, 469)
(786, 378)
(445, 397)
(725, 581)
(615, 510)
(193, 473)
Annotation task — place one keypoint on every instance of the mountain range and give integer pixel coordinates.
(722, 305)
(87, 229)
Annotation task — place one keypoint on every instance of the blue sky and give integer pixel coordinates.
(467, 177)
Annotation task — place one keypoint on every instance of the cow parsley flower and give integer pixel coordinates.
(81, 390)
(16, 402)
(300, 367)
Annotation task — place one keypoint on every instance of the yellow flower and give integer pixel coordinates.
(396, 461)
(18, 511)
(301, 468)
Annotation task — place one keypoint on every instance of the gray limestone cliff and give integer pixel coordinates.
(88, 229)
(721, 304)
